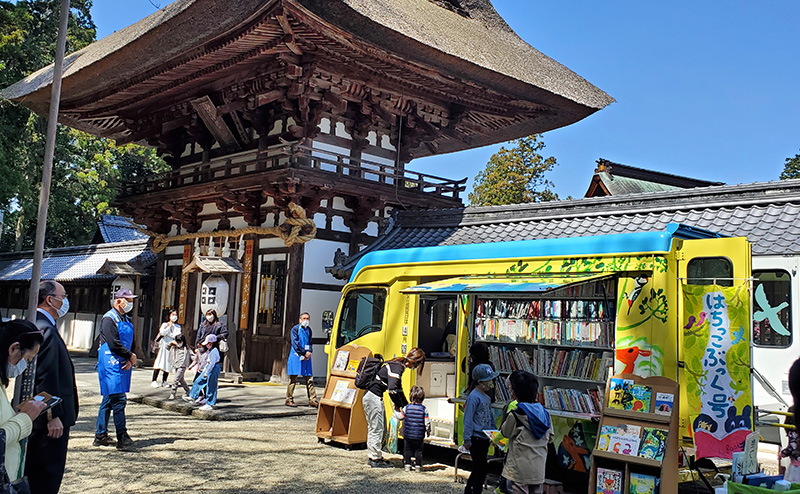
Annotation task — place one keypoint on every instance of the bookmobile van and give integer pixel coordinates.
(572, 310)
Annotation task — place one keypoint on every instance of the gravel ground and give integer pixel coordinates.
(176, 453)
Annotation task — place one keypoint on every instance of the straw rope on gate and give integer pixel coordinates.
(291, 231)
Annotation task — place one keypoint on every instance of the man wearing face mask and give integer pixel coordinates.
(114, 362)
(299, 361)
(55, 374)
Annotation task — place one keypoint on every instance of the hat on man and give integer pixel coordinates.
(124, 293)
(484, 372)
(212, 338)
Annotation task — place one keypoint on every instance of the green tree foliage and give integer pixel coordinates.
(86, 169)
(515, 175)
(791, 169)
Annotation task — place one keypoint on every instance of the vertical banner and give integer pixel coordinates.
(187, 257)
(717, 357)
(246, 280)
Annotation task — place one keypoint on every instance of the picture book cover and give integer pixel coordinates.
(664, 403)
(497, 438)
(654, 443)
(640, 398)
(352, 366)
(609, 481)
(605, 436)
(619, 393)
(624, 444)
(642, 484)
(341, 360)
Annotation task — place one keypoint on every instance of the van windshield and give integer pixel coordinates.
(362, 313)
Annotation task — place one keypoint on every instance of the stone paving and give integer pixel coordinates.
(277, 453)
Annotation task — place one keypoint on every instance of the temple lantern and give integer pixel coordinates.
(214, 295)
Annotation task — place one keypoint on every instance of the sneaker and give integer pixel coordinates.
(200, 401)
(418, 468)
(313, 404)
(154, 384)
(379, 463)
(290, 403)
(171, 397)
(165, 384)
(206, 408)
(124, 441)
(103, 440)
(407, 468)
(188, 399)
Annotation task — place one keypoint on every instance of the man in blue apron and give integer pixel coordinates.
(114, 362)
(299, 362)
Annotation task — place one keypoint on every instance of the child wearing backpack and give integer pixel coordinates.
(416, 426)
(528, 430)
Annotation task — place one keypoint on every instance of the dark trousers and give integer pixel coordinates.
(412, 447)
(45, 461)
(115, 402)
(155, 374)
(478, 451)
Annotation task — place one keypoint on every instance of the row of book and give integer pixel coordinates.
(610, 481)
(624, 395)
(572, 400)
(577, 364)
(633, 440)
(541, 309)
(588, 333)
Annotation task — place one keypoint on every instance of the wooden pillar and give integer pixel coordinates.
(138, 329)
(158, 300)
(294, 295)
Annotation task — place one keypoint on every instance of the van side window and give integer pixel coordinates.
(708, 270)
(772, 308)
(362, 313)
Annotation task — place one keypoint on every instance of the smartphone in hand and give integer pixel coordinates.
(49, 400)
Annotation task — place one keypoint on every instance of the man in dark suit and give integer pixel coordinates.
(55, 374)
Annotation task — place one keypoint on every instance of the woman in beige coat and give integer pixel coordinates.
(19, 344)
(528, 430)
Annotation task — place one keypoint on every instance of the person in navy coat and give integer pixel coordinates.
(299, 361)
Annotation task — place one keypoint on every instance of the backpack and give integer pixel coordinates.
(367, 371)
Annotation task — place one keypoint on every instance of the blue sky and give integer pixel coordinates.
(709, 90)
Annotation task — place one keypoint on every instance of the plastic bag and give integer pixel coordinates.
(391, 441)
(792, 472)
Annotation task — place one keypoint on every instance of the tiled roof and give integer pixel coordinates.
(118, 229)
(766, 213)
(74, 263)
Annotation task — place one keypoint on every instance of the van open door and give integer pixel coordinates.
(714, 343)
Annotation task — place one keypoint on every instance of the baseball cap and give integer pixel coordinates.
(124, 293)
(484, 372)
(212, 338)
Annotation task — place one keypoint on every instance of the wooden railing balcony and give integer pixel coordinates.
(302, 158)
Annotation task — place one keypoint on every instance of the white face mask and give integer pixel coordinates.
(128, 306)
(62, 311)
(173, 318)
(210, 318)
(305, 323)
(16, 370)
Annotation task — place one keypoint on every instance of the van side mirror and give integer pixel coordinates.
(327, 321)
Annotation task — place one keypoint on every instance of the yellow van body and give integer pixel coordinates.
(649, 270)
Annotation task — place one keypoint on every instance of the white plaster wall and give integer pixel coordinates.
(319, 220)
(372, 228)
(271, 243)
(337, 224)
(318, 254)
(338, 203)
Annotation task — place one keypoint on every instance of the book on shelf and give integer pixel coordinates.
(664, 403)
(627, 444)
(654, 443)
(570, 400)
(609, 481)
(640, 398)
(619, 393)
(604, 438)
(342, 357)
(642, 484)
(352, 365)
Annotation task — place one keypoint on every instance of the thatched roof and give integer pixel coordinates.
(463, 40)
